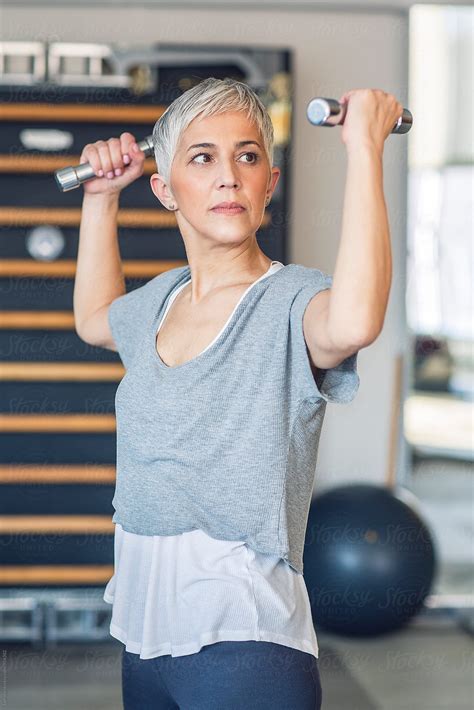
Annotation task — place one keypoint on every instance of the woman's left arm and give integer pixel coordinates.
(350, 315)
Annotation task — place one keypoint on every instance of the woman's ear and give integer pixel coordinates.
(160, 189)
(274, 177)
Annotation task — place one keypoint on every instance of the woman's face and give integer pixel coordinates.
(234, 168)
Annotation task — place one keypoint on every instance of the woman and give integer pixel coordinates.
(230, 362)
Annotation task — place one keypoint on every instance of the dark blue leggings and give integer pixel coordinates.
(227, 675)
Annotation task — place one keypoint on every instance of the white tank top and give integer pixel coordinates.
(173, 594)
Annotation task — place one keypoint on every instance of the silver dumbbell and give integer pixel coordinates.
(329, 112)
(73, 176)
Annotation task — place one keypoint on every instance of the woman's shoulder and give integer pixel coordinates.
(157, 283)
(299, 276)
(168, 276)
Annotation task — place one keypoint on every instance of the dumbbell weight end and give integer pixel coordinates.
(330, 112)
(71, 177)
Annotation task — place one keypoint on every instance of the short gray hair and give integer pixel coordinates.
(208, 98)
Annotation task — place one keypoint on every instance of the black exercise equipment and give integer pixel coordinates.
(369, 560)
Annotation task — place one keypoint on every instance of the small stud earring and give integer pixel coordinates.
(171, 207)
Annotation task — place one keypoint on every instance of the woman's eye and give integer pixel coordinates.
(198, 156)
(254, 155)
(206, 155)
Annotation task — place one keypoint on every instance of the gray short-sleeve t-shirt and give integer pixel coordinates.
(226, 442)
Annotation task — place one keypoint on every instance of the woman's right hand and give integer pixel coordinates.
(116, 156)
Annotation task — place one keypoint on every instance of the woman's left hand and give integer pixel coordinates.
(370, 117)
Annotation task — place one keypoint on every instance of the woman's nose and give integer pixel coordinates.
(231, 182)
(228, 175)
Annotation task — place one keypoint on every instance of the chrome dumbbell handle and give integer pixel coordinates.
(329, 112)
(71, 177)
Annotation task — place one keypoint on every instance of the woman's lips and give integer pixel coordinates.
(228, 210)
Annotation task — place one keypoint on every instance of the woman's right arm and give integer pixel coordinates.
(99, 276)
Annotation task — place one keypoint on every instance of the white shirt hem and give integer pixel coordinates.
(208, 638)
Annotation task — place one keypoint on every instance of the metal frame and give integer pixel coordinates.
(107, 65)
